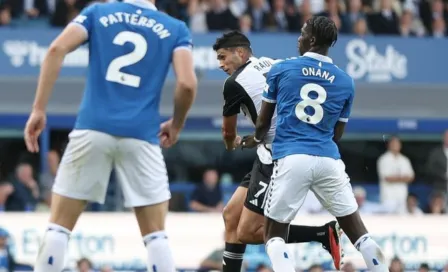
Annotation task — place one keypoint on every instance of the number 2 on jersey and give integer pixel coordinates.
(315, 103)
(140, 48)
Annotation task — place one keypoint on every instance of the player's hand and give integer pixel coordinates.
(34, 127)
(237, 142)
(168, 134)
(248, 141)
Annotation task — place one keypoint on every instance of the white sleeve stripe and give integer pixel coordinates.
(269, 100)
(184, 47)
(81, 26)
(345, 120)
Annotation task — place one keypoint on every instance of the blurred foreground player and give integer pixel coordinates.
(243, 215)
(312, 98)
(131, 46)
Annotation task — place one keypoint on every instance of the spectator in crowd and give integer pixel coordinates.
(263, 268)
(47, 179)
(5, 14)
(409, 26)
(246, 24)
(25, 194)
(7, 262)
(424, 267)
(208, 196)
(348, 267)
(84, 265)
(352, 17)
(437, 203)
(106, 269)
(65, 11)
(365, 206)
(360, 27)
(316, 268)
(437, 166)
(219, 17)
(395, 172)
(412, 206)
(6, 189)
(396, 265)
(258, 10)
(445, 268)
(385, 21)
(196, 13)
(284, 18)
(332, 11)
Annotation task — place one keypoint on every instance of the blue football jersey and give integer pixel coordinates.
(130, 50)
(312, 95)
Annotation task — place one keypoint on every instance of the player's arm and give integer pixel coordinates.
(229, 131)
(234, 94)
(186, 81)
(344, 116)
(269, 103)
(74, 35)
(70, 39)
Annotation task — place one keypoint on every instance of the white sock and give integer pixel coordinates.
(160, 258)
(53, 250)
(279, 255)
(371, 253)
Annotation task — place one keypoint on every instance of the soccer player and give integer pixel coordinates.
(313, 98)
(243, 215)
(131, 46)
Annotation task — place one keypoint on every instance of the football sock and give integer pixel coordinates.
(371, 253)
(305, 234)
(279, 256)
(53, 250)
(160, 258)
(233, 257)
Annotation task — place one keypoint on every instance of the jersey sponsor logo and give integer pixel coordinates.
(365, 60)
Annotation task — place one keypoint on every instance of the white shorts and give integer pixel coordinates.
(294, 175)
(89, 158)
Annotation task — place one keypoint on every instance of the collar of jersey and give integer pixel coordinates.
(142, 3)
(318, 57)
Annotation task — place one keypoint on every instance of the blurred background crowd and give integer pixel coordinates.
(360, 17)
(402, 175)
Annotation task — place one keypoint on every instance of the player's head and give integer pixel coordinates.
(233, 50)
(319, 33)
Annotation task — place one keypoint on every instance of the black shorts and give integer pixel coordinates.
(257, 182)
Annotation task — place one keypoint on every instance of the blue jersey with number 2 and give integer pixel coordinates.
(312, 95)
(131, 46)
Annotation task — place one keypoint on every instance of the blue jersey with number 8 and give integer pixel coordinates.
(131, 45)
(312, 95)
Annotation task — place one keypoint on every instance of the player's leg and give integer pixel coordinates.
(334, 191)
(142, 174)
(289, 186)
(234, 249)
(82, 176)
(251, 223)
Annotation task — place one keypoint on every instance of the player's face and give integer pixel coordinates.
(304, 42)
(229, 60)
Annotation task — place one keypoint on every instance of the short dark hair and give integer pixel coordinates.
(324, 30)
(232, 39)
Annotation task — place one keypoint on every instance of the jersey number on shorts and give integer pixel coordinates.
(315, 103)
(140, 48)
(262, 190)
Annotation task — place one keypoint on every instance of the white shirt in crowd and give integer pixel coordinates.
(393, 194)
